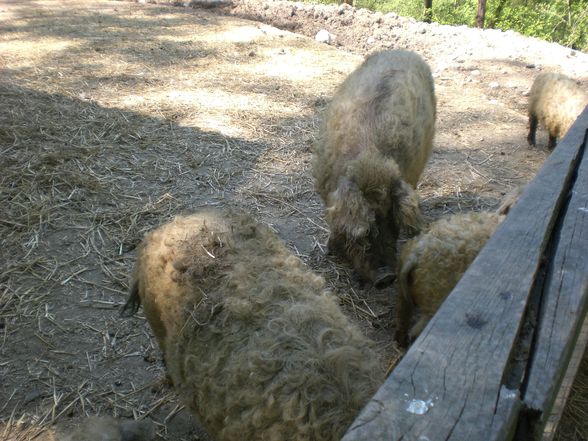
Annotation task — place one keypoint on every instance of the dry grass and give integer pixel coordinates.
(570, 412)
(116, 117)
(574, 423)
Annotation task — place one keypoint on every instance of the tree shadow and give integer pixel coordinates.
(80, 184)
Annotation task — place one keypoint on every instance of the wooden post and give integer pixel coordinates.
(563, 301)
(567, 384)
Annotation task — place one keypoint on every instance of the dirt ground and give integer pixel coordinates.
(116, 116)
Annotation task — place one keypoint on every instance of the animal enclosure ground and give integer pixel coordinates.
(116, 116)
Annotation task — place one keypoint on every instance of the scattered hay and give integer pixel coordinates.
(116, 117)
(574, 423)
(105, 133)
(570, 412)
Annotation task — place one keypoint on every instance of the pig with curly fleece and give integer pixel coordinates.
(253, 344)
(555, 101)
(375, 140)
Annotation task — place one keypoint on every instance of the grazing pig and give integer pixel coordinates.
(555, 101)
(375, 140)
(253, 344)
(432, 263)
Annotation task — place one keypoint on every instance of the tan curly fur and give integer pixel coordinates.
(374, 142)
(431, 264)
(252, 342)
(107, 428)
(555, 101)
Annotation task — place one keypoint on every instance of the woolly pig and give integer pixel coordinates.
(112, 429)
(555, 101)
(253, 344)
(431, 264)
(374, 142)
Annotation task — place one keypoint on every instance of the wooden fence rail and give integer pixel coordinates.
(489, 365)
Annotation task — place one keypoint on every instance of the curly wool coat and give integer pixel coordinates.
(374, 142)
(253, 344)
(555, 101)
(432, 263)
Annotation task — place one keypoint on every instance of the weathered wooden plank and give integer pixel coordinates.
(564, 299)
(567, 384)
(505, 421)
(448, 385)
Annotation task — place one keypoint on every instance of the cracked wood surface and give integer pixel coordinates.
(457, 382)
(565, 293)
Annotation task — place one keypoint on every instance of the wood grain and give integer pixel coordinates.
(459, 381)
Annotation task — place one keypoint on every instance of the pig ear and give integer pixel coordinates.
(407, 211)
(404, 301)
(510, 199)
(348, 212)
